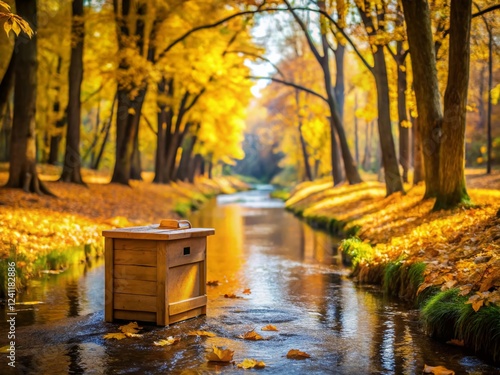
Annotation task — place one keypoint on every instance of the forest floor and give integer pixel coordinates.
(458, 250)
(33, 226)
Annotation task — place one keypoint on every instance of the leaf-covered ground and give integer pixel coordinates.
(461, 248)
(32, 226)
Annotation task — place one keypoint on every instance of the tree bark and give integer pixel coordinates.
(404, 130)
(98, 158)
(135, 168)
(392, 176)
(6, 86)
(187, 154)
(418, 163)
(72, 161)
(356, 130)
(423, 61)
(452, 190)
(303, 145)
(22, 167)
(339, 79)
(490, 88)
(55, 139)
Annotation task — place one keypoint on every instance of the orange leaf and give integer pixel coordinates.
(252, 335)
(251, 363)
(213, 283)
(231, 295)
(220, 355)
(438, 370)
(269, 327)
(247, 291)
(297, 354)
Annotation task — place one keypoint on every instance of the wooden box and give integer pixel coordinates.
(156, 273)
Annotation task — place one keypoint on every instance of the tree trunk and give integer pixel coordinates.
(6, 86)
(55, 139)
(303, 145)
(418, 163)
(135, 168)
(98, 158)
(452, 190)
(356, 130)
(161, 132)
(72, 161)
(195, 165)
(187, 154)
(393, 180)
(490, 88)
(367, 157)
(423, 61)
(22, 167)
(339, 79)
(404, 130)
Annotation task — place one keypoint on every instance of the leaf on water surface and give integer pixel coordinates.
(251, 363)
(252, 335)
(220, 355)
(115, 335)
(132, 328)
(297, 354)
(437, 370)
(231, 295)
(247, 291)
(169, 341)
(455, 342)
(269, 327)
(201, 333)
(213, 283)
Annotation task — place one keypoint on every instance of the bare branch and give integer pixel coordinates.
(148, 123)
(261, 58)
(291, 84)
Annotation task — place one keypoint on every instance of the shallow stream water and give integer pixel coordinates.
(297, 283)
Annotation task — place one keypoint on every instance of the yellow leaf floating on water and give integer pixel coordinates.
(132, 327)
(169, 341)
(438, 370)
(269, 327)
(201, 333)
(252, 335)
(251, 363)
(115, 335)
(297, 354)
(220, 355)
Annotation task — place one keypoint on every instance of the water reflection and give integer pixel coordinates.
(297, 283)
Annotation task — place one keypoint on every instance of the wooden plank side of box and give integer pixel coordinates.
(186, 251)
(135, 257)
(134, 244)
(135, 315)
(147, 288)
(190, 304)
(186, 315)
(134, 272)
(183, 282)
(134, 302)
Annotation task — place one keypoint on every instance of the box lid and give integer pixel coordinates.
(167, 230)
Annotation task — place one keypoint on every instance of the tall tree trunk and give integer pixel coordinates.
(404, 129)
(162, 130)
(418, 163)
(452, 190)
(22, 167)
(55, 139)
(6, 86)
(98, 157)
(339, 79)
(356, 130)
(303, 145)
(367, 157)
(187, 154)
(490, 88)
(423, 61)
(393, 180)
(135, 168)
(72, 160)
(195, 166)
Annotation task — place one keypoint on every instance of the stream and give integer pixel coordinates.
(297, 283)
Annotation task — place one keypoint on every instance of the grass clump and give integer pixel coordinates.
(282, 194)
(357, 250)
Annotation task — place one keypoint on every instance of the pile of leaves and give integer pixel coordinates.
(460, 248)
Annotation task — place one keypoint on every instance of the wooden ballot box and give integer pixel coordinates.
(156, 273)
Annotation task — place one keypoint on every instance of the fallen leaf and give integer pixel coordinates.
(132, 327)
(297, 354)
(252, 335)
(115, 335)
(247, 291)
(476, 301)
(269, 327)
(438, 370)
(201, 333)
(220, 355)
(128, 334)
(169, 341)
(231, 295)
(455, 342)
(251, 363)
(213, 283)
